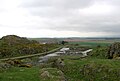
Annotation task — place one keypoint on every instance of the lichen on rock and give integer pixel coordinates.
(114, 51)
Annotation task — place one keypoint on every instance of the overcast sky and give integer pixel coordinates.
(60, 18)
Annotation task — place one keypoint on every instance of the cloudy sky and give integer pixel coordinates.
(60, 18)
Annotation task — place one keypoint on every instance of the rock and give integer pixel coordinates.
(17, 62)
(27, 60)
(10, 62)
(45, 74)
(59, 63)
(26, 65)
(4, 65)
(13, 62)
(117, 58)
(52, 74)
(60, 73)
(114, 50)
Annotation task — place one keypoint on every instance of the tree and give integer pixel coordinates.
(63, 42)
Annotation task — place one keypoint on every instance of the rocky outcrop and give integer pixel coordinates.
(52, 74)
(19, 63)
(59, 63)
(45, 74)
(114, 50)
(4, 66)
(14, 62)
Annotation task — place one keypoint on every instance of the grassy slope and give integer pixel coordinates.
(72, 70)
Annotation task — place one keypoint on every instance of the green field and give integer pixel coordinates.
(91, 43)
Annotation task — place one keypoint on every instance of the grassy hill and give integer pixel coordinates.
(12, 45)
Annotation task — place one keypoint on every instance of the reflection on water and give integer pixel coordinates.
(62, 51)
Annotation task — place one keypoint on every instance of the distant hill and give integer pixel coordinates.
(46, 40)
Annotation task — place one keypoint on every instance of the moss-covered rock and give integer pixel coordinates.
(4, 66)
(51, 74)
(114, 50)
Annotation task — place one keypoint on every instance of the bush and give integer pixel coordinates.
(100, 52)
(98, 72)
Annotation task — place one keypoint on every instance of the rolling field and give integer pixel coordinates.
(91, 43)
(80, 41)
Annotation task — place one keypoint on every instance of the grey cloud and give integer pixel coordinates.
(64, 15)
(89, 24)
(58, 3)
(55, 8)
(113, 2)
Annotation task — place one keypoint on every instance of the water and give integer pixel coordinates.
(87, 51)
(45, 58)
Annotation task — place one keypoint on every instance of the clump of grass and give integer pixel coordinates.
(98, 72)
(92, 69)
(99, 52)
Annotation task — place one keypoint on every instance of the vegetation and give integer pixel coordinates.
(92, 70)
(20, 74)
(99, 52)
(75, 70)
(95, 67)
(12, 45)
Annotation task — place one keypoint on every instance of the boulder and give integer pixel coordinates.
(59, 63)
(11, 62)
(52, 74)
(45, 74)
(4, 65)
(117, 58)
(114, 50)
(14, 62)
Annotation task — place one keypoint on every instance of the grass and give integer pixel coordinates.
(92, 68)
(20, 74)
(74, 67)
(74, 70)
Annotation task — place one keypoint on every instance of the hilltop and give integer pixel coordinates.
(16, 40)
(13, 45)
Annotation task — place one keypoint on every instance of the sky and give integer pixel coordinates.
(60, 18)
